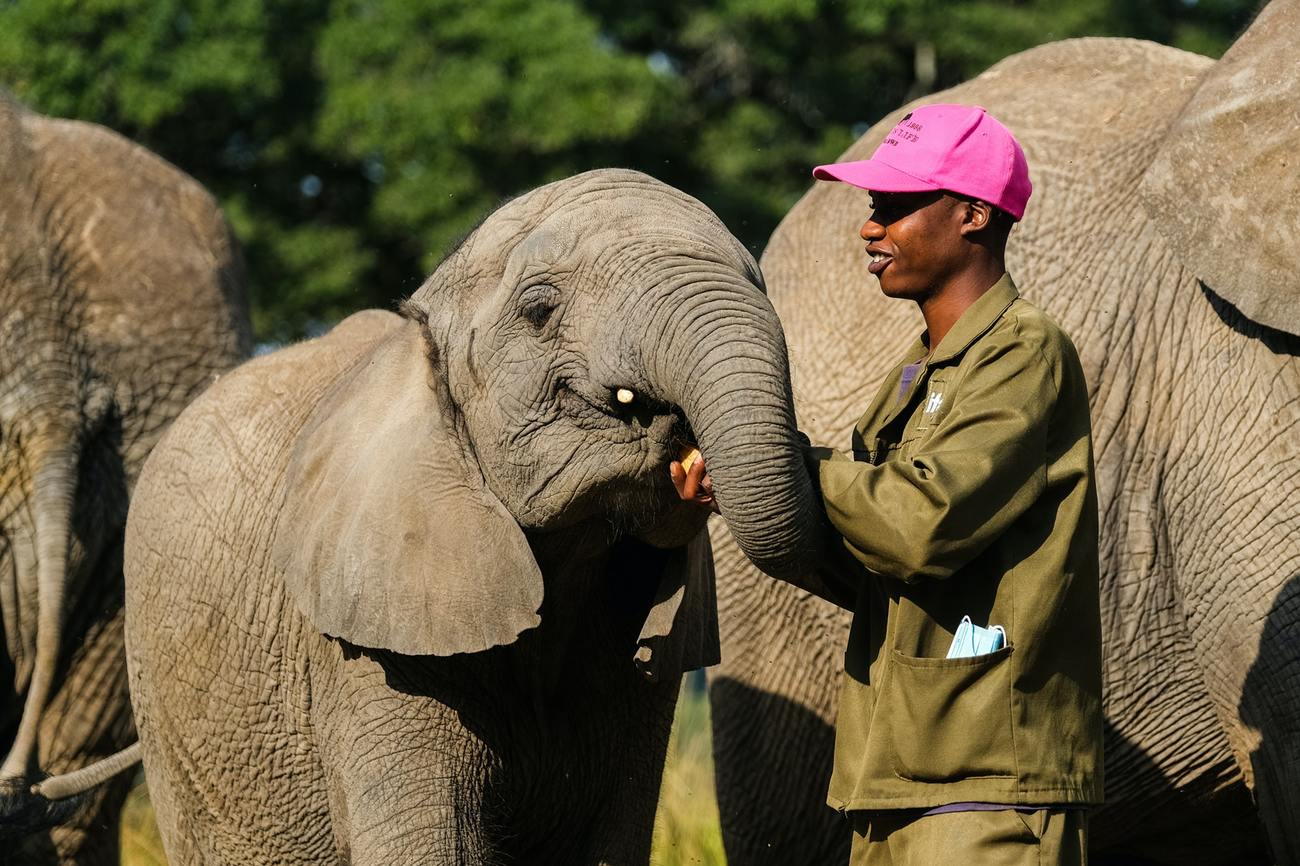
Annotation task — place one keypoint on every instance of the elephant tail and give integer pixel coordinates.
(28, 809)
(80, 781)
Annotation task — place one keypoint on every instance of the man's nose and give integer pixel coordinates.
(871, 230)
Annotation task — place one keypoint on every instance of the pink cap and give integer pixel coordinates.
(958, 148)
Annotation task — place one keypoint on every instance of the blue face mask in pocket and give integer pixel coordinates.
(972, 640)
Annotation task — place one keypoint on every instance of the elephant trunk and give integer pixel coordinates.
(80, 781)
(723, 361)
(55, 485)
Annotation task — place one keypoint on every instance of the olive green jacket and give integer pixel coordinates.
(971, 493)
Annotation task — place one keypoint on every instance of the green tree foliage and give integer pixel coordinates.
(455, 105)
(352, 141)
(227, 90)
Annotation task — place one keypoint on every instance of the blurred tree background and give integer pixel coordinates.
(352, 141)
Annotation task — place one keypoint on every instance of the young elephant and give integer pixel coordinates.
(385, 588)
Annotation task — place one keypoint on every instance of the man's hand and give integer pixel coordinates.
(693, 484)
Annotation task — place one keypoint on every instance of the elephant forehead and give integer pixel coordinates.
(556, 240)
(642, 226)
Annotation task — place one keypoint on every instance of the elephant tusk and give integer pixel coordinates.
(624, 395)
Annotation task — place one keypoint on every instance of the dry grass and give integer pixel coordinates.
(686, 828)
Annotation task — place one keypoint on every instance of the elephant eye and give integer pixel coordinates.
(538, 303)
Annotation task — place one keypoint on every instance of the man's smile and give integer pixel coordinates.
(879, 260)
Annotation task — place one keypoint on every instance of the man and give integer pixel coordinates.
(969, 493)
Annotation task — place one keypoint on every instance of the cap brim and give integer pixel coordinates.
(872, 174)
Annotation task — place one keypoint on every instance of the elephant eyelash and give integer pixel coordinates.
(538, 303)
(538, 314)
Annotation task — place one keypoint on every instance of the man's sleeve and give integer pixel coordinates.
(985, 463)
(826, 574)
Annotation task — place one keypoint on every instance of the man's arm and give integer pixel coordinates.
(834, 579)
(984, 464)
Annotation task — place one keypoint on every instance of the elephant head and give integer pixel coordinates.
(541, 381)
(1227, 175)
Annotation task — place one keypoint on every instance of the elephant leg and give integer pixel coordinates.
(404, 775)
(424, 765)
(223, 705)
(773, 700)
(88, 718)
(771, 762)
(1270, 705)
(1276, 764)
(629, 766)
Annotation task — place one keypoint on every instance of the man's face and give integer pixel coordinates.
(914, 240)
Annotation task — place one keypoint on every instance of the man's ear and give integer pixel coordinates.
(976, 215)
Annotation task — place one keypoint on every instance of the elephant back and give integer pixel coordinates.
(1225, 178)
(244, 426)
(156, 271)
(221, 467)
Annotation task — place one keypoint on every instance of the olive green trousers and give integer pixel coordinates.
(1048, 837)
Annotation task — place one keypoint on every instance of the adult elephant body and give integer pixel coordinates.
(121, 298)
(336, 557)
(1139, 155)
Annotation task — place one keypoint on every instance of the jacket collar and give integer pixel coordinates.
(977, 319)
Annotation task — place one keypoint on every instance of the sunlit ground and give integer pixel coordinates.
(686, 829)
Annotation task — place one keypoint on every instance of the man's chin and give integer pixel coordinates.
(890, 289)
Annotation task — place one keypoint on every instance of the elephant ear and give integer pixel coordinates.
(681, 630)
(1224, 187)
(388, 537)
